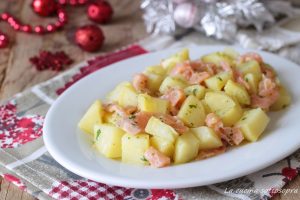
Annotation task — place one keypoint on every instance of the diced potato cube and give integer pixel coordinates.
(152, 104)
(134, 147)
(283, 101)
(107, 139)
(231, 53)
(238, 92)
(154, 81)
(253, 123)
(124, 94)
(224, 106)
(250, 67)
(164, 146)
(128, 96)
(207, 137)
(169, 83)
(92, 116)
(196, 90)
(218, 81)
(114, 95)
(111, 118)
(186, 148)
(206, 107)
(179, 57)
(156, 127)
(216, 58)
(158, 69)
(253, 82)
(192, 112)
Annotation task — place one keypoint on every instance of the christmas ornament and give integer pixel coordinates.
(218, 18)
(100, 11)
(53, 61)
(186, 15)
(89, 38)
(4, 41)
(44, 7)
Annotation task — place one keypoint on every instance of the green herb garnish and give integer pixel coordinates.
(131, 117)
(144, 159)
(244, 118)
(194, 91)
(193, 106)
(98, 134)
(220, 78)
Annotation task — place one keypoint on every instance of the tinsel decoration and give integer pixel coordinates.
(219, 18)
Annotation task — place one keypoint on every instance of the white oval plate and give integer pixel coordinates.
(72, 148)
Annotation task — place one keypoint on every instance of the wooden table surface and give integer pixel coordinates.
(17, 74)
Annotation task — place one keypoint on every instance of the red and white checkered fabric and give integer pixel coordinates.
(87, 190)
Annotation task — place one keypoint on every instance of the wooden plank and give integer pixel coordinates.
(125, 28)
(3, 189)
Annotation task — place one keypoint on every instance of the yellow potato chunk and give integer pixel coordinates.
(217, 58)
(207, 137)
(128, 96)
(164, 146)
(169, 83)
(224, 106)
(196, 90)
(238, 92)
(134, 147)
(218, 81)
(124, 94)
(253, 123)
(92, 116)
(107, 138)
(152, 104)
(111, 118)
(253, 82)
(179, 57)
(192, 112)
(250, 67)
(206, 107)
(157, 69)
(154, 81)
(156, 127)
(283, 101)
(186, 148)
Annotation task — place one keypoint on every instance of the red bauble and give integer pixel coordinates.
(44, 7)
(4, 41)
(89, 38)
(100, 11)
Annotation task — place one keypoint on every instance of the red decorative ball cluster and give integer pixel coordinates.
(89, 38)
(39, 29)
(48, 60)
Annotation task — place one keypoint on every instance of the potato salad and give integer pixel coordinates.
(183, 110)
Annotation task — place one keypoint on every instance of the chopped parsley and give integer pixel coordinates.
(194, 91)
(98, 134)
(144, 159)
(244, 118)
(192, 106)
(220, 78)
(128, 138)
(246, 79)
(132, 117)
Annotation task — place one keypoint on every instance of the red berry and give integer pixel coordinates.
(89, 38)
(289, 173)
(100, 11)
